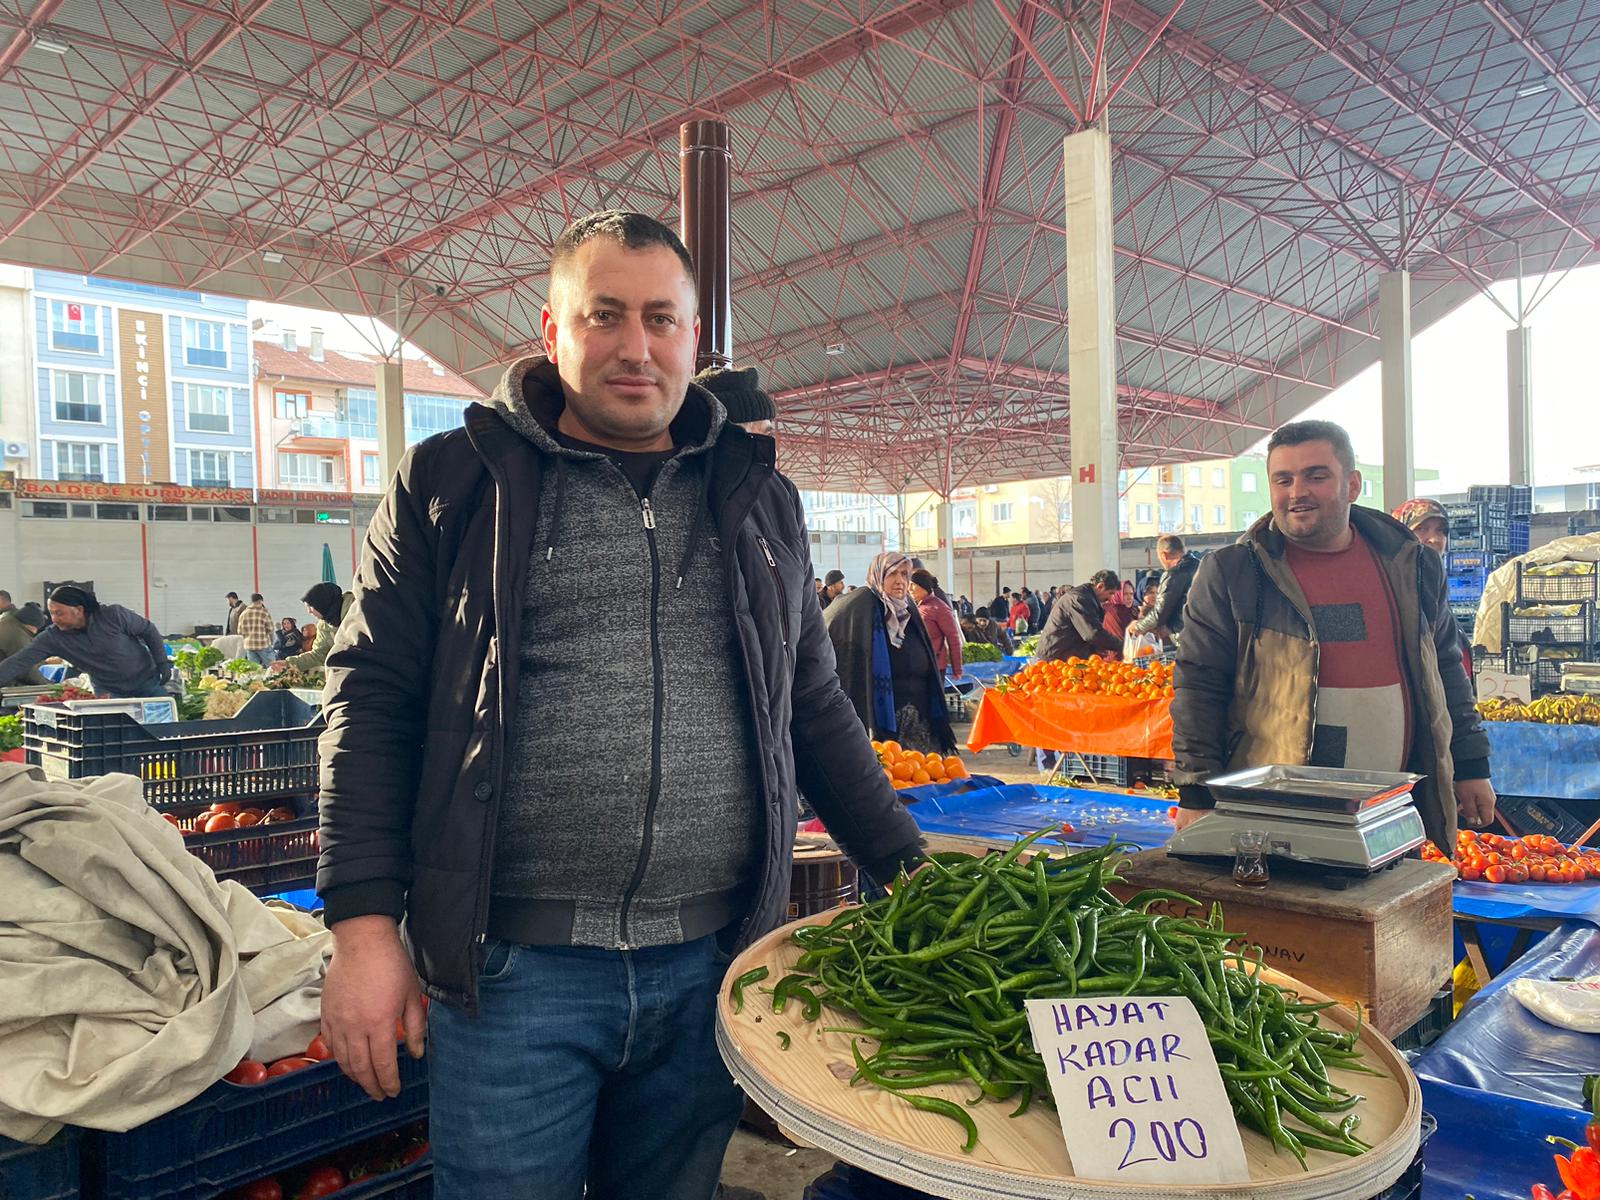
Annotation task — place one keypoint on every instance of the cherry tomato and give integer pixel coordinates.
(318, 1049)
(1516, 873)
(1471, 873)
(285, 1066)
(1494, 873)
(248, 1073)
(218, 822)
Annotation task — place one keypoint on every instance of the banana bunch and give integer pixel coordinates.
(1548, 610)
(1561, 568)
(1546, 710)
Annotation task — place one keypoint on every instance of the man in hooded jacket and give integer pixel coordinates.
(578, 843)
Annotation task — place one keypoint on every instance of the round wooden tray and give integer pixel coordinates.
(806, 1090)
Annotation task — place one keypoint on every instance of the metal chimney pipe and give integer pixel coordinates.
(705, 172)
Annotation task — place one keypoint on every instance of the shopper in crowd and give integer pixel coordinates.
(741, 395)
(832, 587)
(1120, 612)
(5, 601)
(1178, 566)
(330, 607)
(1325, 637)
(1000, 606)
(288, 642)
(1019, 619)
(886, 660)
(18, 627)
(1428, 520)
(1077, 623)
(1047, 601)
(230, 625)
(1035, 609)
(940, 621)
(993, 632)
(572, 911)
(120, 650)
(963, 607)
(255, 627)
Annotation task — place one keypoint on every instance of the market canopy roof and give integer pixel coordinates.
(897, 185)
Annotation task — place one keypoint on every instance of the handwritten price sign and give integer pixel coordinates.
(1138, 1090)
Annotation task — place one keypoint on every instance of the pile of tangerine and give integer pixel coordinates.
(912, 768)
(1536, 858)
(1093, 677)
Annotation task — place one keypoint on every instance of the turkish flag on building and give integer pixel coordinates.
(74, 312)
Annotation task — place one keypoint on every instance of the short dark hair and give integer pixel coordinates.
(1169, 543)
(231, 596)
(1152, 581)
(1297, 433)
(5, 595)
(255, 597)
(1106, 578)
(925, 581)
(632, 230)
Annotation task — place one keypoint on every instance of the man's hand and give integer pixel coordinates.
(370, 986)
(277, 666)
(1475, 801)
(1188, 816)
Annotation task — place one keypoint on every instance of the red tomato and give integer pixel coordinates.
(246, 819)
(171, 820)
(1494, 873)
(1519, 851)
(278, 814)
(318, 1049)
(261, 1189)
(1536, 872)
(228, 807)
(1471, 873)
(248, 1073)
(1516, 873)
(413, 1153)
(285, 1066)
(323, 1181)
(218, 822)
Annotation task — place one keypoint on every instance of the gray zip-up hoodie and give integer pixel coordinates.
(121, 650)
(632, 812)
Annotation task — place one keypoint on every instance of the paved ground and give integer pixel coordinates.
(776, 1168)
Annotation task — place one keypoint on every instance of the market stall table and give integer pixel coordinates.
(1528, 759)
(1086, 723)
(1501, 1080)
(1529, 909)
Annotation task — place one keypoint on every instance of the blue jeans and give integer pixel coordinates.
(583, 1066)
(262, 658)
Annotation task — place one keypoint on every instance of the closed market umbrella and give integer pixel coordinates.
(327, 565)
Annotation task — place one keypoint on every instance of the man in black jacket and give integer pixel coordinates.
(1076, 627)
(1178, 567)
(577, 843)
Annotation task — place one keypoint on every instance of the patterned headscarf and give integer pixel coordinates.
(1413, 513)
(896, 613)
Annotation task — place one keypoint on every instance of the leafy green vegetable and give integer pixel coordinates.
(973, 652)
(10, 733)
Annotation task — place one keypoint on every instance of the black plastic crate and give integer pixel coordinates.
(1522, 629)
(47, 1172)
(261, 857)
(1432, 1024)
(1536, 814)
(1110, 768)
(267, 752)
(1521, 536)
(1517, 497)
(1557, 589)
(230, 1135)
(409, 1183)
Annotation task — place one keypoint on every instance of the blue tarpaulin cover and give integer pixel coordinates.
(1560, 761)
(1500, 1080)
(1512, 902)
(1017, 809)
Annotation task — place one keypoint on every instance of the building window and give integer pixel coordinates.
(290, 406)
(1122, 516)
(205, 343)
(53, 509)
(236, 514)
(1219, 516)
(116, 512)
(81, 462)
(369, 470)
(1000, 512)
(77, 397)
(1219, 477)
(1249, 518)
(1247, 481)
(361, 405)
(1197, 516)
(1196, 477)
(1064, 512)
(1366, 488)
(1141, 514)
(921, 520)
(74, 327)
(209, 468)
(209, 408)
(1142, 475)
(428, 415)
(304, 470)
(168, 512)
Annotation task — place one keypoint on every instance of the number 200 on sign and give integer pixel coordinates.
(1185, 1136)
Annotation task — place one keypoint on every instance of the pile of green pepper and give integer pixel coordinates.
(938, 970)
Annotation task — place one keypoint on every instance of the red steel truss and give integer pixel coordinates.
(898, 242)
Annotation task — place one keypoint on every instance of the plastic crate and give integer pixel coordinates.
(1535, 814)
(47, 1172)
(1473, 562)
(1517, 497)
(1525, 630)
(1465, 589)
(844, 1182)
(268, 751)
(1520, 538)
(1428, 1027)
(263, 858)
(231, 1135)
(409, 1183)
(1557, 589)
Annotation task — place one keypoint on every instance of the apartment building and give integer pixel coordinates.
(138, 384)
(316, 413)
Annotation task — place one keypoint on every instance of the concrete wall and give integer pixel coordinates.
(16, 367)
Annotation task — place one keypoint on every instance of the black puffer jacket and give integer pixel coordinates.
(423, 675)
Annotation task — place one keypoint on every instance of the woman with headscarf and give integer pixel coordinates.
(329, 606)
(886, 660)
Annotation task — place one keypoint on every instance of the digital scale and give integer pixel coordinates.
(1336, 820)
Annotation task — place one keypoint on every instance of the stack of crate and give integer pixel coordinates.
(1466, 572)
(1518, 501)
(1551, 622)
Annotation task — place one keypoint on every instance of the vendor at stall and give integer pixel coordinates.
(1076, 628)
(1324, 636)
(122, 651)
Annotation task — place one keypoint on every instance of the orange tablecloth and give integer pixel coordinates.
(1088, 724)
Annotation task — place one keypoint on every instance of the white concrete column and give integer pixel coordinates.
(1091, 352)
(1519, 410)
(391, 417)
(1394, 333)
(947, 550)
